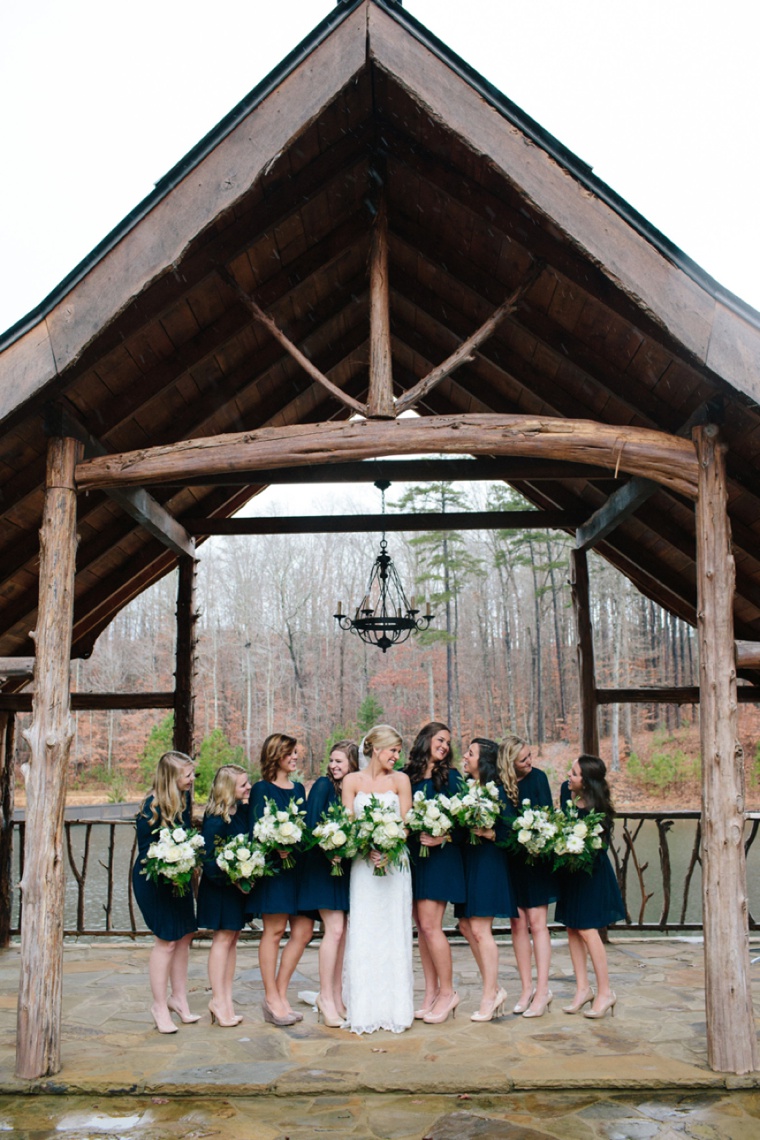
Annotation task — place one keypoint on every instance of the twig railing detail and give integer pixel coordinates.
(105, 881)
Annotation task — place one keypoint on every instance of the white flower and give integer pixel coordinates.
(580, 830)
(596, 842)
(179, 835)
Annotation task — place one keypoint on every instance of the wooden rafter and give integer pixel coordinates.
(464, 353)
(368, 524)
(637, 451)
(380, 403)
(263, 318)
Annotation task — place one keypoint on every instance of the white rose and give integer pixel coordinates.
(581, 830)
(596, 842)
(179, 835)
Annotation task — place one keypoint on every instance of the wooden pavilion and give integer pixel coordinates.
(376, 229)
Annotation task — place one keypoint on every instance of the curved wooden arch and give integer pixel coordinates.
(664, 458)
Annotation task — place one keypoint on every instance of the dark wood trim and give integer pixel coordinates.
(7, 795)
(368, 524)
(186, 664)
(587, 706)
(93, 702)
(616, 510)
(665, 695)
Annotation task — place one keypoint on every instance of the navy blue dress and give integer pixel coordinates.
(318, 889)
(278, 893)
(221, 905)
(440, 875)
(166, 915)
(534, 884)
(488, 888)
(588, 901)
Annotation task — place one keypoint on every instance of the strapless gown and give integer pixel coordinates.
(378, 983)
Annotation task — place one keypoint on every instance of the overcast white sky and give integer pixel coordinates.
(99, 99)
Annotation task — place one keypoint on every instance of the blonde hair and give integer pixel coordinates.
(274, 749)
(168, 801)
(381, 736)
(509, 750)
(221, 798)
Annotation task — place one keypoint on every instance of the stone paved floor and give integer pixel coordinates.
(655, 1042)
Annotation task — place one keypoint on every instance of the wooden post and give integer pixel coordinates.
(38, 1051)
(7, 782)
(380, 399)
(589, 728)
(731, 1035)
(184, 676)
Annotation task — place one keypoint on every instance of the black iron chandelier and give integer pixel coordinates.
(385, 616)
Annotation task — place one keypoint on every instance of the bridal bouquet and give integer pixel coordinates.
(280, 829)
(174, 856)
(335, 835)
(533, 832)
(431, 816)
(379, 827)
(242, 861)
(479, 806)
(577, 840)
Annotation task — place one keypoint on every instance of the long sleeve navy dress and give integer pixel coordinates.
(588, 901)
(439, 875)
(221, 905)
(168, 916)
(278, 893)
(488, 887)
(318, 889)
(534, 883)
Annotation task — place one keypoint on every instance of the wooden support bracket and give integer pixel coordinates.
(310, 369)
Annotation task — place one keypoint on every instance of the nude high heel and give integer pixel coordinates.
(185, 1018)
(577, 1006)
(520, 1008)
(275, 1018)
(419, 1014)
(608, 1005)
(161, 1025)
(442, 1014)
(330, 1022)
(543, 1007)
(496, 1010)
(217, 1020)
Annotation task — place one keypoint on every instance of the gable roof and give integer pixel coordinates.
(145, 343)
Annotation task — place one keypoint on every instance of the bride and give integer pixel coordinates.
(378, 980)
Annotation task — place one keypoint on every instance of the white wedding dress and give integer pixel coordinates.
(378, 983)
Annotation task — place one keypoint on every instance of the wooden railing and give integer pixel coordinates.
(656, 856)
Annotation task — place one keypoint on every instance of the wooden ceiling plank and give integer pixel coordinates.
(619, 506)
(370, 524)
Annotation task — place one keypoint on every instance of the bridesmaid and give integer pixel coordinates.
(275, 898)
(588, 903)
(439, 878)
(169, 917)
(326, 893)
(487, 883)
(535, 885)
(221, 905)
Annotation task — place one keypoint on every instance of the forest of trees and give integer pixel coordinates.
(500, 653)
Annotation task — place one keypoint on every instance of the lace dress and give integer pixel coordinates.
(378, 983)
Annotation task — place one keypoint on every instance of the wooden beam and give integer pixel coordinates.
(93, 702)
(370, 524)
(747, 655)
(380, 404)
(16, 666)
(637, 451)
(136, 501)
(618, 507)
(408, 471)
(311, 370)
(7, 789)
(186, 664)
(669, 695)
(38, 1039)
(731, 1034)
(464, 353)
(587, 707)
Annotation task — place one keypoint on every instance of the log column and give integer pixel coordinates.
(587, 705)
(50, 734)
(7, 781)
(186, 665)
(731, 1036)
(380, 397)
